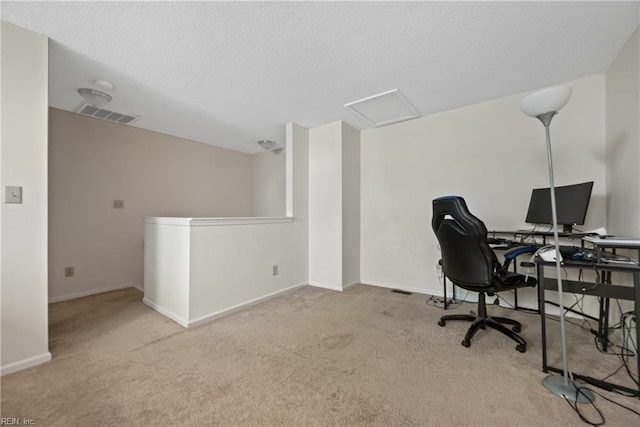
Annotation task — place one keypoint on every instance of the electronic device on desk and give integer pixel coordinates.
(605, 247)
(548, 254)
(572, 202)
(609, 258)
(613, 241)
(498, 243)
(584, 255)
(566, 252)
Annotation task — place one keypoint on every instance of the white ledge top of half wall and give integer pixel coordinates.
(207, 222)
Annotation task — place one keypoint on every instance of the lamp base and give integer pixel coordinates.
(557, 386)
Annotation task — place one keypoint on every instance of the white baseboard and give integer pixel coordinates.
(326, 286)
(25, 363)
(167, 313)
(402, 288)
(93, 292)
(220, 313)
(350, 284)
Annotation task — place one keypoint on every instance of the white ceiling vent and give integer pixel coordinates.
(101, 113)
(384, 108)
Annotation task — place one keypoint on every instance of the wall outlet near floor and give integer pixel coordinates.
(275, 270)
(69, 272)
(118, 204)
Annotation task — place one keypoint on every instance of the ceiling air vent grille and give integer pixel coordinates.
(101, 113)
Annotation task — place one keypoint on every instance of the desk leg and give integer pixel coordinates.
(603, 323)
(605, 337)
(636, 303)
(515, 291)
(543, 319)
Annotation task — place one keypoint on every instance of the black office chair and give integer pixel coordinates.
(469, 262)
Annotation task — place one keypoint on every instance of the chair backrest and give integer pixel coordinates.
(467, 259)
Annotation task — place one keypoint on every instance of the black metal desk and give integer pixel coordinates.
(518, 235)
(604, 290)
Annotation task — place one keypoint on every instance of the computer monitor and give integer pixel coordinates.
(572, 202)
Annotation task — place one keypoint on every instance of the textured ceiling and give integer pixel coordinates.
(231, 73)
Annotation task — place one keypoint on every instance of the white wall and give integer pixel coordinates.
(325, 206)
(269, 182)
(23, 287)
(167, 269)
(491, 154)
(232, 265)
(93, 162)
(334, 205)
(623, 140)
(350, 205)
(221, 264)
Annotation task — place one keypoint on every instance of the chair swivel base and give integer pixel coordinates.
(481, 322)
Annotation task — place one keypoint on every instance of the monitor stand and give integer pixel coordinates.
(567, 228)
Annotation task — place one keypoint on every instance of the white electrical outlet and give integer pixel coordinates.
(275, 270)
(12, 194)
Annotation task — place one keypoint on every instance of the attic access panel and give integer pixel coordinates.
(384, 108)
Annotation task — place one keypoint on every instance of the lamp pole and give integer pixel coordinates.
(552, 383)
(543, 105)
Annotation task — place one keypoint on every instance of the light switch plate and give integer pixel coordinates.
(12, 194)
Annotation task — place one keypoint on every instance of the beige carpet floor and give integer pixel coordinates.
(366, 357)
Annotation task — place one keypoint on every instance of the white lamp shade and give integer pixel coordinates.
(546, 100)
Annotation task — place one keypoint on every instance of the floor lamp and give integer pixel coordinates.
(543, 105)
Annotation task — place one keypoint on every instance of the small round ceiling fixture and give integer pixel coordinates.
(267, 144)
(94, 97)
(104, 84)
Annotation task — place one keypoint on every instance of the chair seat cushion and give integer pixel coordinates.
(509, 280)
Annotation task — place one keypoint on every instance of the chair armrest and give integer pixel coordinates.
(519, 250)
(515, 252)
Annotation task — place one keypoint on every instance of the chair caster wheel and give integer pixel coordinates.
(441, 322)
(466, 343)
(521, 348)
(516, 329)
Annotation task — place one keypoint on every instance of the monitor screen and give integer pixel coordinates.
(572, 202)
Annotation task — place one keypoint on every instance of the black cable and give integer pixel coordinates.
(624, 353)
(573, 311)
(628, 369)
(513, 307)
(580, 303)
(613, 373)
(616, 403)
(575, 407)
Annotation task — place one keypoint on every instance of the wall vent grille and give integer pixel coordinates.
(101, 113)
